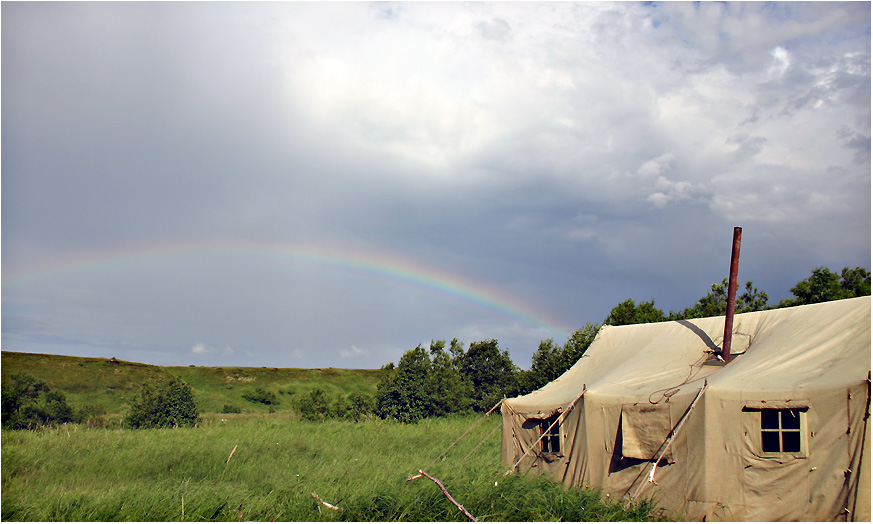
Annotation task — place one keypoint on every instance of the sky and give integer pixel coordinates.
(332, 184)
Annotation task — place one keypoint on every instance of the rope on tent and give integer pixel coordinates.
(462, 436)
(483, 441)
(666, 445)
(546, 432)
(672, 390)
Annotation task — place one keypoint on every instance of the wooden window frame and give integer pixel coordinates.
(762, 433)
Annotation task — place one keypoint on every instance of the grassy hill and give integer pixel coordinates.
(110, 384)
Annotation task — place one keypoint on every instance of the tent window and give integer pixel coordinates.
(780, 430)
(551, 442)
(644, 428)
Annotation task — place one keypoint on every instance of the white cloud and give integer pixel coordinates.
(656, 166)
(353, 352)
(781, 61)
(201, 349)
(670, 192)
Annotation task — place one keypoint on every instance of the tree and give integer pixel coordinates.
(546, 365)
(715, 302)
(855, 282)
(824, 285)
(577, 344)
(163, 404)
(550, 361)
(28, 402)
(403, 394)
(449, 390)
(435, 382)
(628, 312)
(491, 372)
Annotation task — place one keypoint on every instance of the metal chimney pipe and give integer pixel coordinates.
(732, 296)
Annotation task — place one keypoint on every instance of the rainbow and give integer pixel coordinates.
(389, 266)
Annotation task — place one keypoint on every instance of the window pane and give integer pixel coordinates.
(555, 447)
(790, 419)
(550, 442)
(770, 441)
(769, 419)
(791, 441)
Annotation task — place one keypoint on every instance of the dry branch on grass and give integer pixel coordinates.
(231, 455)
(326, 504)
(446, 493)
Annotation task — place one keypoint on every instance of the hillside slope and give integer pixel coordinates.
(110, 384)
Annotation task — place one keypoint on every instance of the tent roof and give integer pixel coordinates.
(806, 347)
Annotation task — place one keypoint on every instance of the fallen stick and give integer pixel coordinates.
(326, 504)
(231, 454)
(446, 493)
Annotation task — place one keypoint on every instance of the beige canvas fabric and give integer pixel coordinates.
(779, 433)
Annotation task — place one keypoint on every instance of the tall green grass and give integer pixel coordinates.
(77, 474)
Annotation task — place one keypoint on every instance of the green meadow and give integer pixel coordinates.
(259, 466)
(110, 384)
(266, 467)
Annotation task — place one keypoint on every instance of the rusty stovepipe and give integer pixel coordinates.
(732, 296)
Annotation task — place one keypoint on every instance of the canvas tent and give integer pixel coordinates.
(778, 433)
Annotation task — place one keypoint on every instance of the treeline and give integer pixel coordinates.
(438, 381)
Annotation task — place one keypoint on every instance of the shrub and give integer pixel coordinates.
(360, 406)
(163, 404)
(230, 409)
(315, 406)
(261, 396)
(91, 415)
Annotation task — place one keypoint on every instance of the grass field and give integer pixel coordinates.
(76, 474)
(260, 466)
(110, 384)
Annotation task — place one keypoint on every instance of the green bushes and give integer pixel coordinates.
(320, 405)
(262, 397)
(163, 404)
(438, 383)
(29, 403)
